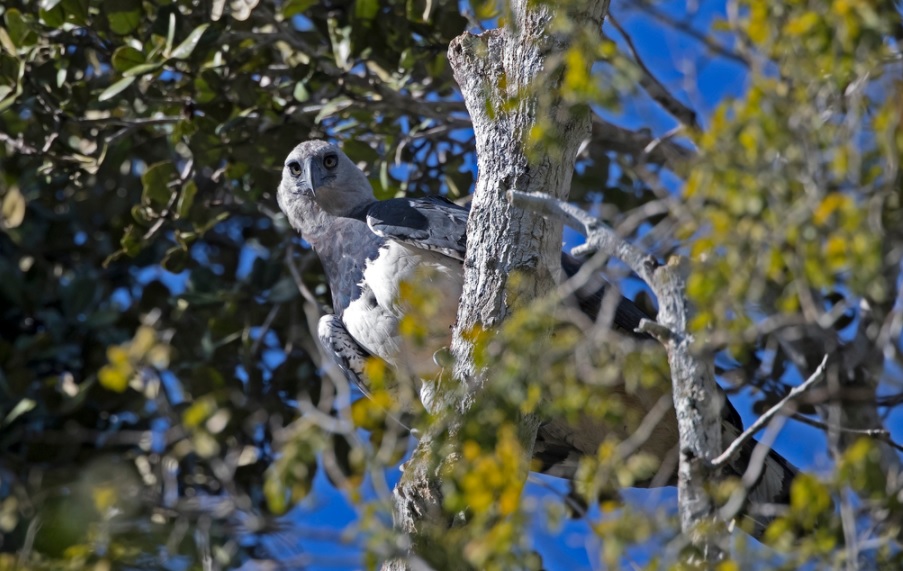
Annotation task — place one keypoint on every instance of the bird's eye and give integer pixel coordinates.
(330, 161)
(295, 168)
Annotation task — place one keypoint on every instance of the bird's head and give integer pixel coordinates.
(318, 173)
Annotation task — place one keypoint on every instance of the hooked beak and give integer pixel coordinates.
(310, 180)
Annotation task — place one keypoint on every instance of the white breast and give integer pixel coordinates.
(408, 306)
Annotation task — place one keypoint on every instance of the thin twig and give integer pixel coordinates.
(877, 433)
(640, 142)
(687, 29)
(653, 86)
(264, 329)
(738, 443)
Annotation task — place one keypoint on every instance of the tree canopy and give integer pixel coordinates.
(163, 400)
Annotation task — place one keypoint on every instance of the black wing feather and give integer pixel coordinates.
(433, 223)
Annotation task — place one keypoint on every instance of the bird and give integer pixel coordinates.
(371, 248)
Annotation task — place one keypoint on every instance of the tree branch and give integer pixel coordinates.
(639, 143)
(653, 87)
(738, 443)
(695, 394)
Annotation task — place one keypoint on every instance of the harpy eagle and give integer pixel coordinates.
(370, 248)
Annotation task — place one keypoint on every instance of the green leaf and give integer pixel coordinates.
(206, 225)
(132, 240)
(170, 33)
(206, 85)
(301, 94)
(184, 49)
(332, 107)
(76, 11)
(49, 4)
(142, 69)
(295, 7)
(127, 57)
(419, 11)
(143, 215)
(384, 177)
(19, 31)
(116, 88)
(186, 199)
(52, 17)
(155, 184)
(366, 9)
(175, 260)
(185, 128)
(8, 100)
(123, 15)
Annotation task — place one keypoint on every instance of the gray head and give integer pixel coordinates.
(318, 177)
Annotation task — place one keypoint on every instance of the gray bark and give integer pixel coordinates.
(506, 77)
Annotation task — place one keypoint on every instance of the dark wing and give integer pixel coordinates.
(627, 315)
(433, 223)
(344, 249)
(344, 350)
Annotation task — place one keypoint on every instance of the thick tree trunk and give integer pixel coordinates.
(498, 72)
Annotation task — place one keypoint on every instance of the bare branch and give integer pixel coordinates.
(879, 433)
(639, 143)
(687, 29)
(653, 86)
(738, 443)
(661, 333)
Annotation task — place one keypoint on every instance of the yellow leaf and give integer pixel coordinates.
(749, 140)
(607, 49)
(802, 24)
(759, 23)
(842, 7)
(117, 355)
(835, 247)
(375, 370)
(576, 76)
(198, 412)
(471, 450)
(807, 493)
(114, 378)
(509, 501)
(368, 413)
(831, 203)
(104, 498)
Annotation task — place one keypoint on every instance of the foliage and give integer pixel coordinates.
(162, 400)
(792, 173)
